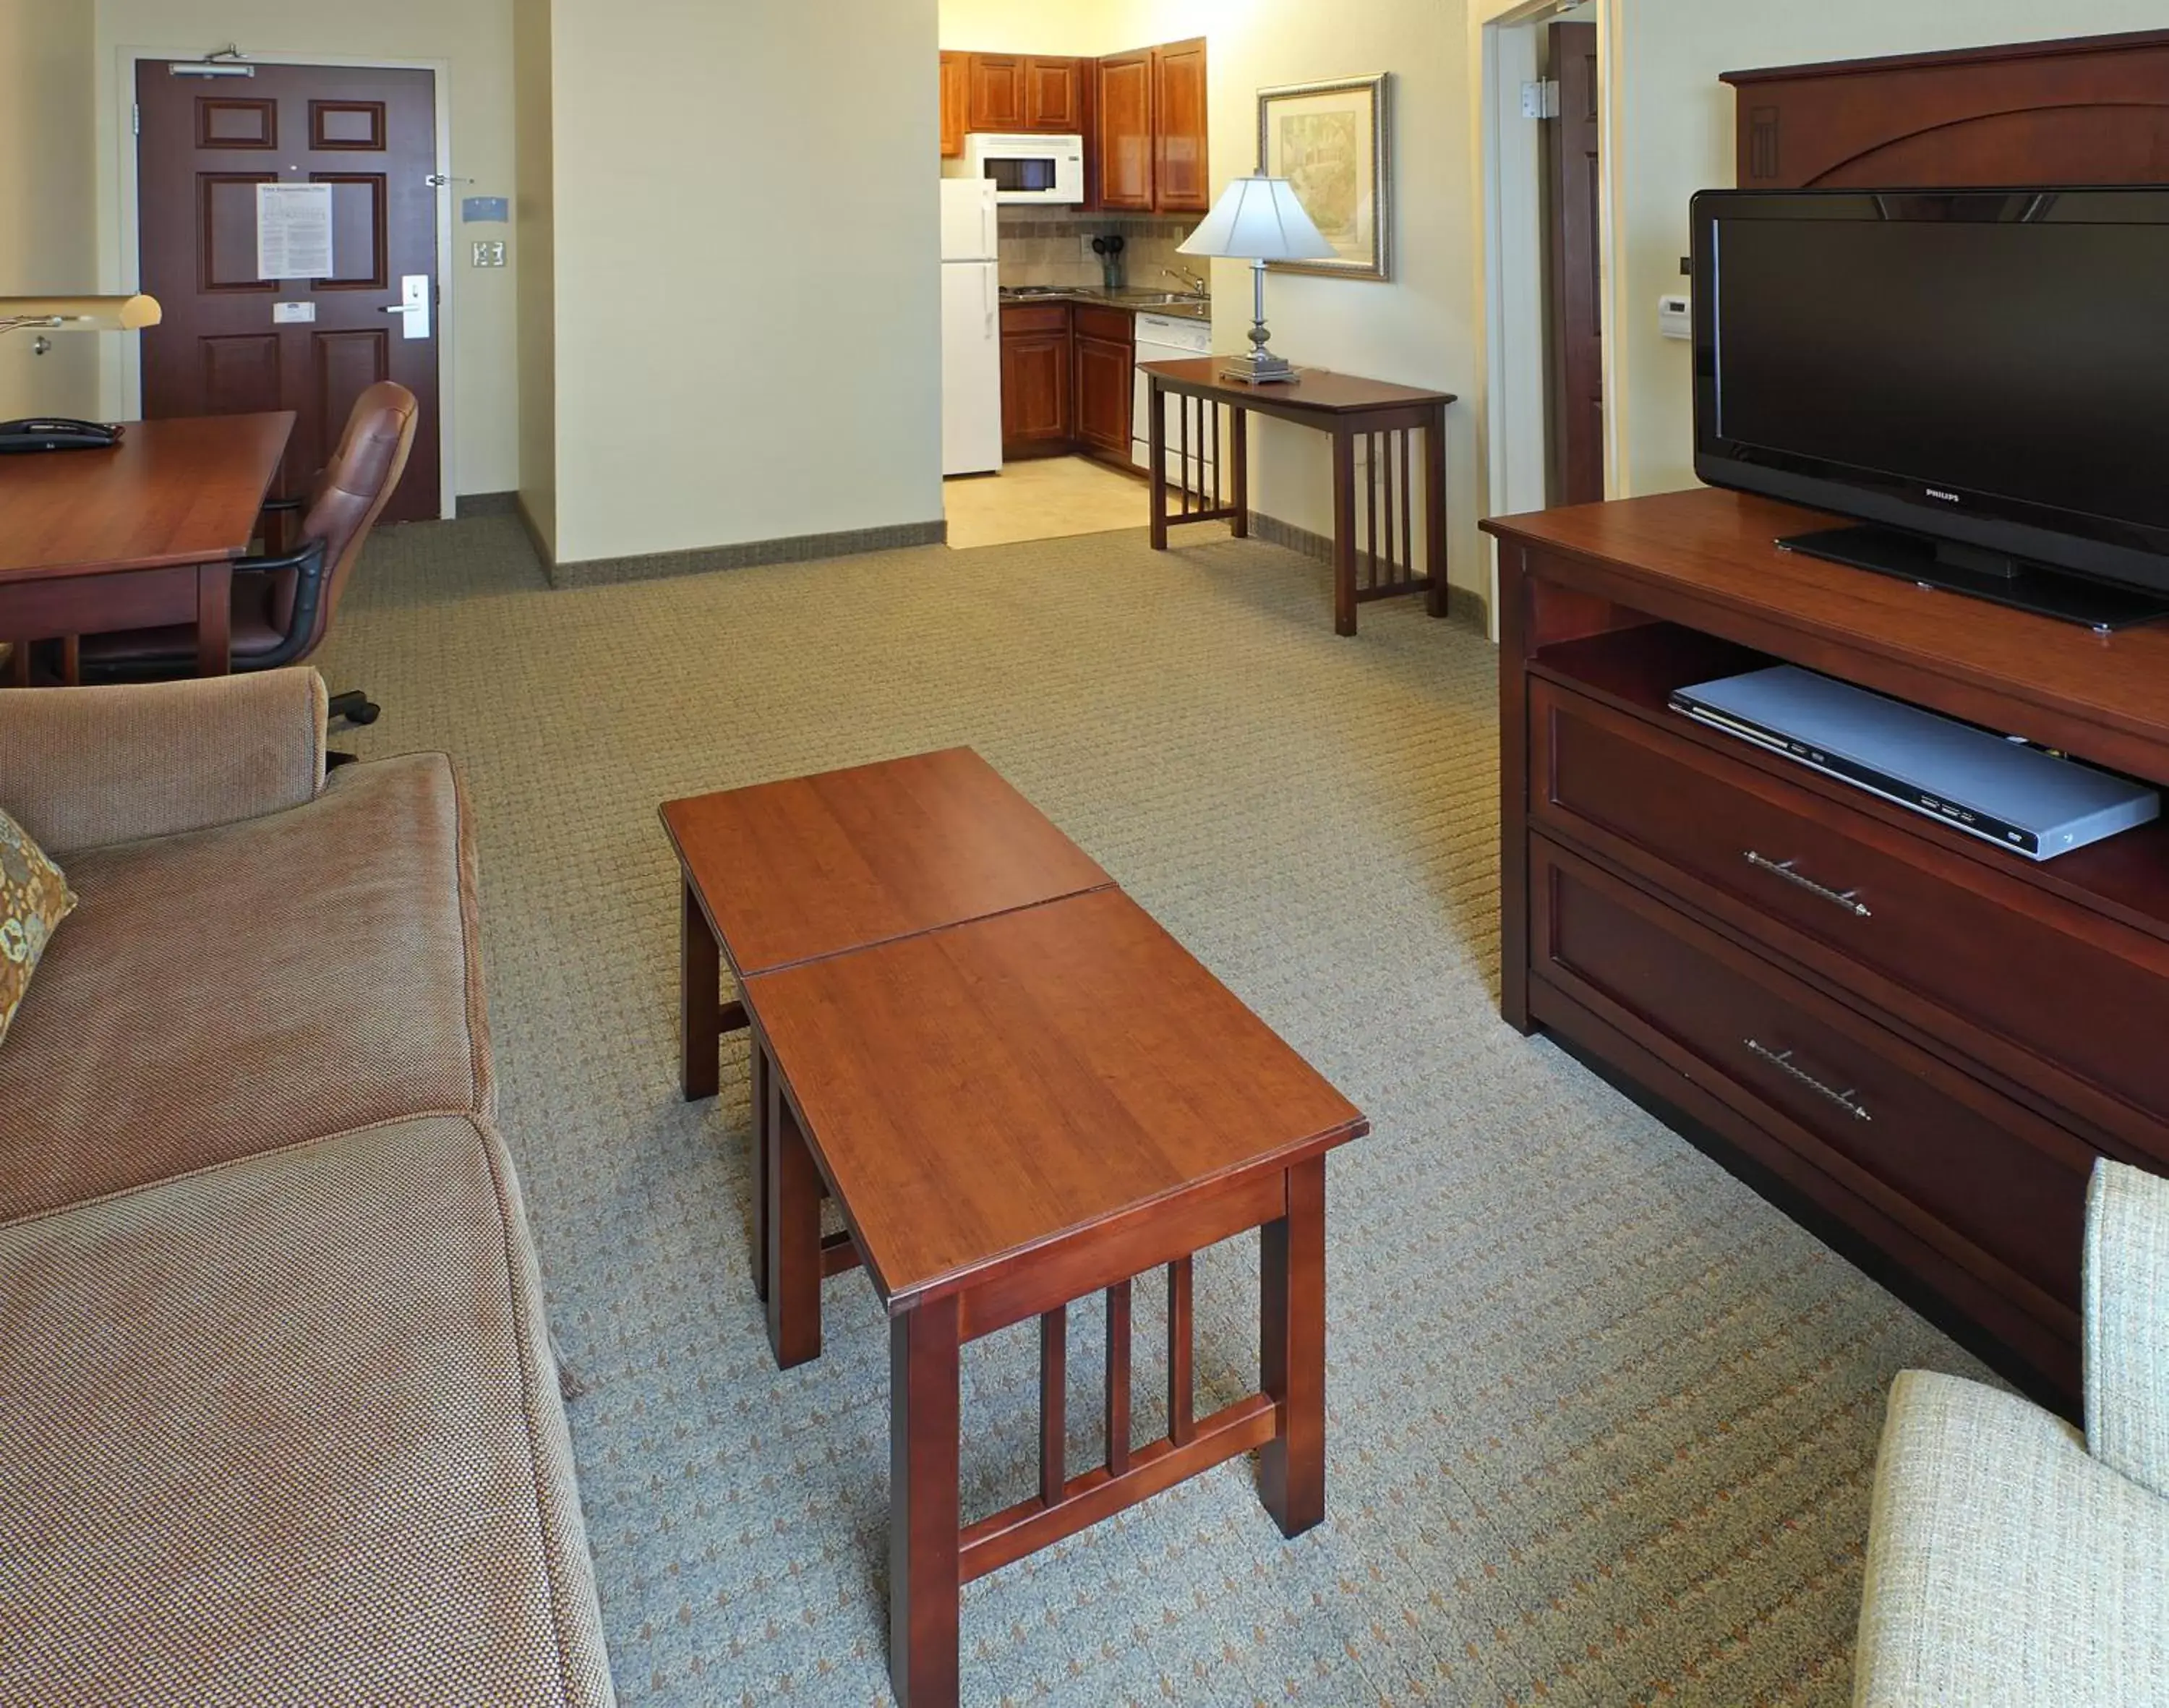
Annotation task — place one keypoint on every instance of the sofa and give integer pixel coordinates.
(279, 1420)
(2012, 1559)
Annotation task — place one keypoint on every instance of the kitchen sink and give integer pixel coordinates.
(1161, 298)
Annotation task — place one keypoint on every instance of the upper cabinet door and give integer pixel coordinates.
(956, 103)
(1125, 108)
(997, 93)
(1052, 99)
(1181, 179)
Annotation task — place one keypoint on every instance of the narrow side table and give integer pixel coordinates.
(1375, 559)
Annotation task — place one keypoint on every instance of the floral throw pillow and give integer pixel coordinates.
(34, 898)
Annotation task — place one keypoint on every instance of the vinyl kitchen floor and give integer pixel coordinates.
(1045, 499)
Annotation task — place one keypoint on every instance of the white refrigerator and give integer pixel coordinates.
(971, 329)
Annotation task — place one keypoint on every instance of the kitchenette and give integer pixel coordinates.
(1067, 184)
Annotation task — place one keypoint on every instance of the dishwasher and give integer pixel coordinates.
(1166, 338)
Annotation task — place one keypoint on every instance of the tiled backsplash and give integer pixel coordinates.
(1039, 247)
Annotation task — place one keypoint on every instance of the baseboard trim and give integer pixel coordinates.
(487, 504)
(1462, 604)
(797, 548)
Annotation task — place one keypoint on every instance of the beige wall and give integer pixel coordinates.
(47, 246)
(1418, 327)
(747, 272)
(1675, 136)
(473, 37)
(536, 286)
(1028, 26)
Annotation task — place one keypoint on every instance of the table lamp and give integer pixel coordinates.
(79, 313)
(1258, 219)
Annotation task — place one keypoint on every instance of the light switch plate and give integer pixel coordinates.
(1676, 317)
(489, 252)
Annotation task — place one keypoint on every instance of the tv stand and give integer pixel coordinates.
(1984, 575)
(1893, 1030)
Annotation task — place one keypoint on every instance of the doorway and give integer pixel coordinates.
(1553, 415)
(303, 313)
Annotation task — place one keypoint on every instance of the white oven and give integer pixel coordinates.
(1049, 170)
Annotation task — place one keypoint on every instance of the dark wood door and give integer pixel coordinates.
(1052, 97)
(232, 343)
(1104, 395)
(1124, 105)
(955, 102)
(1035, 393)
(1574, 329)
(997, 94)
(1181, 182)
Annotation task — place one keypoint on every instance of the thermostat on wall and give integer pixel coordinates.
(1676, 317)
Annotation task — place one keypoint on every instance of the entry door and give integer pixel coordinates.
(1576, 318)
(233, 341)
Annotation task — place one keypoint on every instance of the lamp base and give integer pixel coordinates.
(1260, 367)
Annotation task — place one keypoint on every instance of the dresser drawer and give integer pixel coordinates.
(1939, 936)
(1984, 1178)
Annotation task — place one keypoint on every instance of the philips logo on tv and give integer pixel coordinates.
(1948, 498)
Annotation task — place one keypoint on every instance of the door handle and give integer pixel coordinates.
(401, 308)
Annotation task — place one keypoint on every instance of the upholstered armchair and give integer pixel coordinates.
(2012, 1559)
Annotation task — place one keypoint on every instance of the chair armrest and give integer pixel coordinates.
(81, 767)
(2126, 1322)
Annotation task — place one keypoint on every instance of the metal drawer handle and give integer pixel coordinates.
(1782, 1060)
(1846, 899)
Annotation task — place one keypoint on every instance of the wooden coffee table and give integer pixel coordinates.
(1013, 1113)
(782, 873)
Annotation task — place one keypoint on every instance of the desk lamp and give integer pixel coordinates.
(79, 313)
(1258, 219)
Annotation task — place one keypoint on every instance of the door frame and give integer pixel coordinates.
(129, 376)
(1510, 286)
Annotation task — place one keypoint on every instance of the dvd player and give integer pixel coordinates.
(1998, 788)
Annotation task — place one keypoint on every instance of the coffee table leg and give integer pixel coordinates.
(1292, 1273)
(923, 1540)
(793, 1196)
(757, 1065)
(700, 1002)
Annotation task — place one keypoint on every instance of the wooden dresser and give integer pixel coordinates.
(1922, 1037)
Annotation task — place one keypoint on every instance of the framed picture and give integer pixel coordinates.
(1333, 143)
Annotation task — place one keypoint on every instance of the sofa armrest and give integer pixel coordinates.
(2126, 1322)
(81, 767)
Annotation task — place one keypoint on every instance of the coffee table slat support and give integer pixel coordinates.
(1025, 1528)
(1181, 1423)
(840, 1255)
(1053, 1394)
(1118, 1379)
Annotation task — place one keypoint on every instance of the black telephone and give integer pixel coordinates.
(56, 433)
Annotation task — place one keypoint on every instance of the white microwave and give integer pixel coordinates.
(1028, 168)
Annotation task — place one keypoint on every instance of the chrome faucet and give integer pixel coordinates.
(1199, 285)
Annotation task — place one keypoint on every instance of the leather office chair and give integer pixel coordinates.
(283, 606)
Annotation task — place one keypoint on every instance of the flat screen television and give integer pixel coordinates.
(1980, 376)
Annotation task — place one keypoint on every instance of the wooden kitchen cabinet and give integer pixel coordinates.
(1102, 389)
(1036, 380)
(1054, 95)
(956, 103)
(1180, 181)
(1123, 167)
(997, 92)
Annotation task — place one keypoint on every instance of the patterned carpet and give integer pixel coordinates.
(1600, 1424)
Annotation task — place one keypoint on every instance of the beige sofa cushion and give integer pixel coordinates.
(2006, 1567)
(228, 990)
(286, 1432)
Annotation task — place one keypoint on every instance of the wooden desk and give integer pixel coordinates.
(783, 873)
(1377, 563)
(139, 536)
(1014, 1114)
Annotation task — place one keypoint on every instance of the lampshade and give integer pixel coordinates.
(80, 313)
(1258, 219)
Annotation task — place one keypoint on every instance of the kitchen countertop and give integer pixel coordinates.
(1130, 301)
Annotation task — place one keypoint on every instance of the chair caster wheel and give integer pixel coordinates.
(364, 713)
(354, 705)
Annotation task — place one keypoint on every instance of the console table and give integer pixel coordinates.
(1374, 561)
(1910, 1037)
